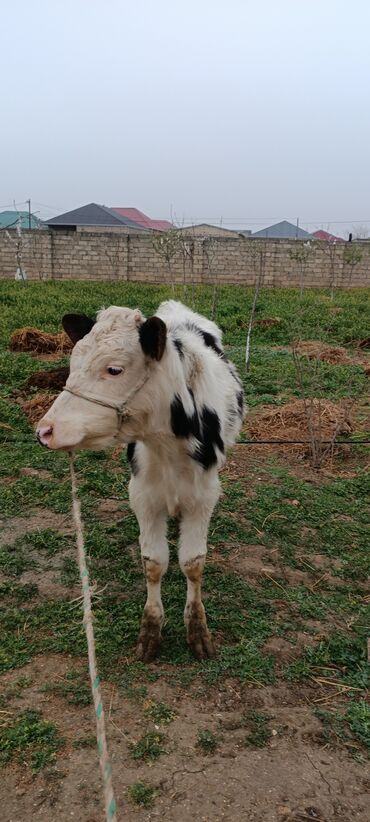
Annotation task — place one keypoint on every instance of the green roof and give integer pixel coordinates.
(9, 219)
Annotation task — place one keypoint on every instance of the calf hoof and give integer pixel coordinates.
(149, 639)
(199, 637)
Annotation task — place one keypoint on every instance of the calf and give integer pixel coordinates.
(165, 387)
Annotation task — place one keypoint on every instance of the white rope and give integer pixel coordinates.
(105, 766)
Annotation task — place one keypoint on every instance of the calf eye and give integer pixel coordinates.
(114, 370)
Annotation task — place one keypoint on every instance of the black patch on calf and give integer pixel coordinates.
(131, 458)
(210, 439)
(77, 326)
(180, 348)
(181, 423)
(152, 334)
(208, 339)
(240, 401)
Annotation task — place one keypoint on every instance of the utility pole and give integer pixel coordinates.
(29, 213)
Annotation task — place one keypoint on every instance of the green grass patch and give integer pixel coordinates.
(149, 747)
(259, 732)
(29, 740)
(142, 794)
(207, 742)
(74, 688)
(351, 727)
(160, 713)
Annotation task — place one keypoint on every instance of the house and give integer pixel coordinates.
(10, 219)
(93, 216)
(283, 231)
(327, 237)
(142, 219)
(207, 230)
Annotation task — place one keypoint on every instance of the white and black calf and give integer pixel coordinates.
(165, 387)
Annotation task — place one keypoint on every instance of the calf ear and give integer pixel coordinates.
(152, 335)
(77, 326)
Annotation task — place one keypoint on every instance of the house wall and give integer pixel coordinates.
(117, 256)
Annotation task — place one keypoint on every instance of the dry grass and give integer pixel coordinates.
(36, 408)
(294, 421)
(315, 349)
(40, 342)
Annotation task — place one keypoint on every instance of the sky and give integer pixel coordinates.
(200, 111)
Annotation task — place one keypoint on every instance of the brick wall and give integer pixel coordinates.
(119, 256)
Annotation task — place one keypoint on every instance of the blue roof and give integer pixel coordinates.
(9, 219)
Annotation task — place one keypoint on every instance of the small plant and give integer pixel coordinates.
(142, 794)
(159, 713)
(31, 740)
(259, 732)
(207, 741)
(149, 747)
(352, 728)
(74, 688)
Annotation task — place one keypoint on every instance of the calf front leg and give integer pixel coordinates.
(154, 554)
(192, 556)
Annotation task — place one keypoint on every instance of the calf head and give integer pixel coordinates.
(110, 362)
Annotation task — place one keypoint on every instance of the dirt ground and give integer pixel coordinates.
(292, 778)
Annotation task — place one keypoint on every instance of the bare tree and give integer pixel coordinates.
(18, 247)
(257, 252)
(209, 249)
(167, 245)
(113, 252)
(301, 254)
(352, 256)
(330, 250)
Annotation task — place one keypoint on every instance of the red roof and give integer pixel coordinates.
(325, 235)
(142, 219)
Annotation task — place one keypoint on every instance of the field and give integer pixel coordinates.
(277, 727)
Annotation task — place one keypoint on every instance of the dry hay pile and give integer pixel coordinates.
(40, 342)
(36, 408)
(316, 350)
(299, 420)
(52, 380)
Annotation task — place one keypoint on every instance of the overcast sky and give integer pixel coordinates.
(199, 109)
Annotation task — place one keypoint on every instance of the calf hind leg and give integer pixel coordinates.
(192, 556)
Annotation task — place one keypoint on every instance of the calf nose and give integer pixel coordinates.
(44, 434)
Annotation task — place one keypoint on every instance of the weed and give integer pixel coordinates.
(74, 688)
(351, 727)
(259, 732)
(159, 713)
(142, 794)
(29, 739)
(206, 741)
(149, 747)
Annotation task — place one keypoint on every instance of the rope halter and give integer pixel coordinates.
(121, 409)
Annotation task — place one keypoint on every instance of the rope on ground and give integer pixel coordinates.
(105, 766)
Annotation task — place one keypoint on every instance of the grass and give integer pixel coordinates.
(29, 740)
(258, 729)
(74, 688)
(207, 742)
(351, 727)
(149, 747)
(244, 611)
(160, 713)
(142, 794)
